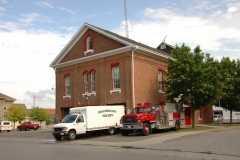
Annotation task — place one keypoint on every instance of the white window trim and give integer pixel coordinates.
(115, 90)
(86, 83)
(199, 112)
(92, 81)
(89, 94)
(88, 51)
(68, 96)
(160, 91)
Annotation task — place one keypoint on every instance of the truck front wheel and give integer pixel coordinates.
(71, 135)
(146, 129)
(124, 133)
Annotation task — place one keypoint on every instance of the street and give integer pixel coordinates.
(218, 144)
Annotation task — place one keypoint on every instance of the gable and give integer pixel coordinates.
(105, 44)
(101, 44)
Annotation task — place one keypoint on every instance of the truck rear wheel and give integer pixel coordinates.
(124, 133)
(146, 129)
(71, 135)
(111, 131)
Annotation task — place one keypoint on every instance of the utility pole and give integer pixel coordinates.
(34, 97)
(126, 20)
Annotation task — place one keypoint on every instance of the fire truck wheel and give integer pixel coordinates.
(146, 129)
(177, 125)
(124, 133)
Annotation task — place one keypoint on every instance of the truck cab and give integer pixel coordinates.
(70, 126)
(139, 119)
(146, 118)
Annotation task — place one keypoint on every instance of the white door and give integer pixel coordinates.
(81, 124)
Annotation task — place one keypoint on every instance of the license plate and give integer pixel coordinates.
(62, 133)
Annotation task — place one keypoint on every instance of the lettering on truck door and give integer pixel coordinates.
(81, 124)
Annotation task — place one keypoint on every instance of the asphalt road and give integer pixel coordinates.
(218, 144)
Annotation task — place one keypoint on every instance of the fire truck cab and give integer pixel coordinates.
(145, 118)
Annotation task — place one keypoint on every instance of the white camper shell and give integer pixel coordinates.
(89, 119)
(5, 126)
(224, 115)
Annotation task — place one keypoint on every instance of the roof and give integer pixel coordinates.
(7, 97)
(20, 105)
(129, 45)
(52, 111)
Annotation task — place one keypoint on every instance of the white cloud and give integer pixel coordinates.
(232, 9)
(211, 33)
(8, 26)
(70, 29)
(4, 1)
(217, 13)
(28, 18)
(31, 17)
(44, 4)
(2, 9)
(27, 55)
(68, 10)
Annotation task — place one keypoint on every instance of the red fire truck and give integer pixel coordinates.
(145, 118)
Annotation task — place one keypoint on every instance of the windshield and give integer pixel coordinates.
(139, 110)
(69, 119)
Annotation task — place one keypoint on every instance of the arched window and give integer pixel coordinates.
(88, 44)
(115, 76)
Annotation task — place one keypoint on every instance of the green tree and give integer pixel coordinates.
(40, 114)
(16, 112)
(231, 91)
(193, 77)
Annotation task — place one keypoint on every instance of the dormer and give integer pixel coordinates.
(165, 48)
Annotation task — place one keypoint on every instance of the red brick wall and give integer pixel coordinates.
(206, 115)
(146, 79)
(101, 44)
(146, 85)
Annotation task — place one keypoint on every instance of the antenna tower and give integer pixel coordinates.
(126, 20)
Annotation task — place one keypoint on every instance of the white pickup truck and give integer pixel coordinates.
(89, 119)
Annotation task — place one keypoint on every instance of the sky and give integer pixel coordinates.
(33, 33)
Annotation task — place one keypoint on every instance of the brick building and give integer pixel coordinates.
(98, 67)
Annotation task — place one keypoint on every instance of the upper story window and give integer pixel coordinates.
(88, 44)
(67, 84)
(89, 80)
(115, 76)
(160, 80)
(93, 87)
(86, 82)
